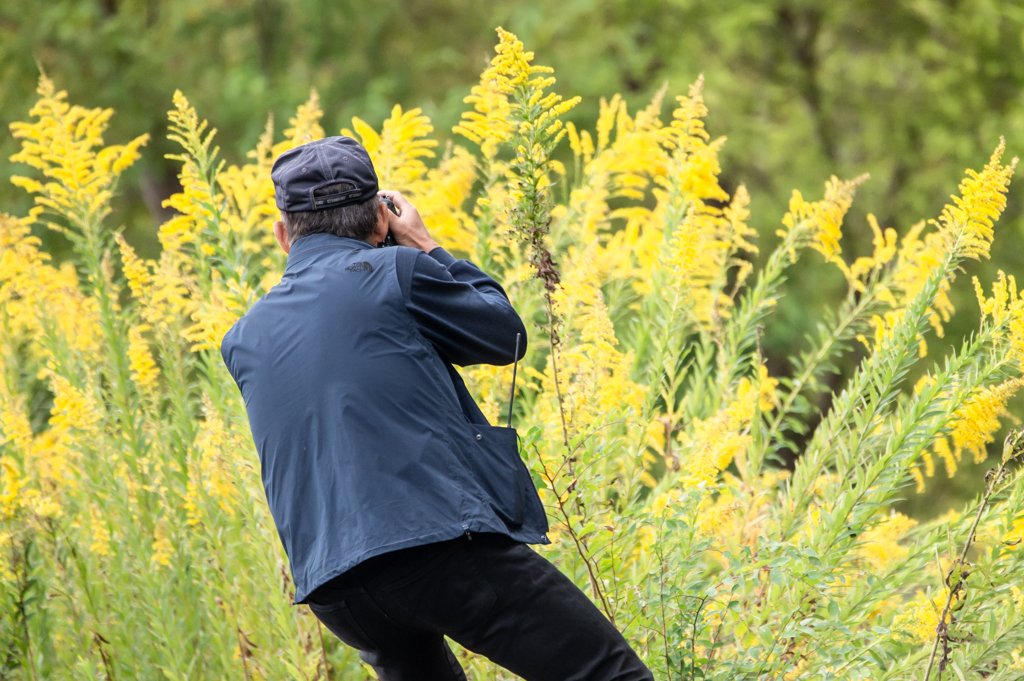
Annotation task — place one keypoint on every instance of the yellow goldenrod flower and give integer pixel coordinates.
(100, 534)
(823, 219)
(249, 193)
(880, 544)
(192, 513)
(736, 215)
(622, 169)
(823, 482)
(39, 299)
(574, 142)
(919, 484)
(491, 384)
(687, 125)
(981, 201)
(976, 422)
(14, 425)
(918, 619)
(52, 462)
(717, 441)
(929, 463)
(750, 395)
(73, 409)
(884, 251)
(496, 120)
(1016, 339)
(213, 316)
(1015, 538)
(664, 504)
(766, 386)
(398, 151)
(143, 368)
(438, 193)
(11, 484)
(47, 462)
(214, 448)
(606, 120)
(915, 262)
(1004, 302)
(1005, 308)
(135, 270)
(192, 207)
(488, 124)
(714, 518)
(973, 426)
(305, 124)
(949, 458)
(62, 144)
(440, 197)
(162, 547)
(593, 374)
(716, 450)
(159, 287)
(968, 221)
(170, 294)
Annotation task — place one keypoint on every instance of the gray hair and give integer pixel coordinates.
(355, 221)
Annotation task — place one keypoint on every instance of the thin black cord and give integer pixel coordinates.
(512, 397)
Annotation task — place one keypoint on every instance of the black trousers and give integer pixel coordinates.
(492, 595)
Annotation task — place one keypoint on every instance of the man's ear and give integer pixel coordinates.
(281, 234)
(380, 230)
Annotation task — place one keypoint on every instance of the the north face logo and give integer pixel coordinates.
(360, 267)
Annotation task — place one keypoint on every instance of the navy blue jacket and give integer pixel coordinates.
(368, 440)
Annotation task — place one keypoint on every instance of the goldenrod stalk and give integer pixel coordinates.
(581, 548)
(1013, 446)
(323, 650)
(846, 323)
(879, 379)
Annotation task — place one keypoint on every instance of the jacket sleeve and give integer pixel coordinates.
(464, 313)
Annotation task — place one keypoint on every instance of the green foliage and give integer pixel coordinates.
(803, 90)
(139, 541)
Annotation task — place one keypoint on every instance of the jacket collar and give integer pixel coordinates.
(305, 246)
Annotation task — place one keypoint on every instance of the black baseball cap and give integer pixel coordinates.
(299, 172)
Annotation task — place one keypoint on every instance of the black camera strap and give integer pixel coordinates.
(512, 397)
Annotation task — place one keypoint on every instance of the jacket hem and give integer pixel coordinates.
(525, 537)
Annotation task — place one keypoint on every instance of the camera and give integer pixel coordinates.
(389, 240)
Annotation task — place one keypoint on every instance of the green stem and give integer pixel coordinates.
(831, 339)
(876, 384)
(1013, 442)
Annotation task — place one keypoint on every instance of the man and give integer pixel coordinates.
(404, 514)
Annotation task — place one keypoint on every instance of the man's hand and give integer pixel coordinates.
(408, 228)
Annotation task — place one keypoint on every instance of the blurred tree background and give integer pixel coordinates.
(911, 92)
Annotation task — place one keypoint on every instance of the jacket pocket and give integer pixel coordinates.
(501, 474)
